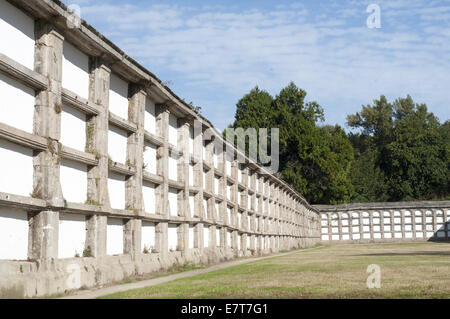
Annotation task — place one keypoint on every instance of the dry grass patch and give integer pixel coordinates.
(408, 270)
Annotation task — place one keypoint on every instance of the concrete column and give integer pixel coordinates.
(446, 224)
(198, 168)
(183, 163)
(183, 176)
(392, 223)
(183, 238)
(198, 237)
(132, 237)
(402, 222)
(97, 143)
(96, 236)
(161, 239)
(97, 133)
(234, 240)
(162, 155)
(47, 124)
(44, 229)
(212, 237)
(135, 149)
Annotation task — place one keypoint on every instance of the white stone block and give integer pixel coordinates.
(13, 234)
(73, 178)
(172, 237)
(150, 116)
(118, 97)
(116, 190)
(75, 70)
(73, 128)
(17, 106)
(16, 169)
(149, 195)
(114, 236)
(72, 235)
(17, 30)
(148, 236)
(117, 144)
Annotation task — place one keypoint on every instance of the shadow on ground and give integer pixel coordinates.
(417, 253)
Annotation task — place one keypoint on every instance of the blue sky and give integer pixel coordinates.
(213, 52)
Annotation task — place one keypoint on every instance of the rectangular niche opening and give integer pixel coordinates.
(13, 234)
(173, 168)
(117, 144)
(73, 178)
(16, 169)
(173, 201)
(17, 106)
(17, 30)
(172, 237)
(173, 130)
(116, 189)
(148, 237)
(191, 236)
(205, 236)
(75, 70)
(150, 116)
(72, 235)
(217, 237)
(73, 128)
(118, 96)
(150, 159)
(114, 236)
(149, 195)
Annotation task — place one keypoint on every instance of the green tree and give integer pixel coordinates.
(315, 160)
(404, 149)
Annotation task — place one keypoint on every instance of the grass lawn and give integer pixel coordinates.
(408, 270)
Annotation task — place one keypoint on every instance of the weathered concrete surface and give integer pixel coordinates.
(293, 222)
(91, 294)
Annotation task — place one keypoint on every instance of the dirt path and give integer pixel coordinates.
(95, 293)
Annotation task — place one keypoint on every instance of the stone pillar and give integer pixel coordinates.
(162, 130)
(198, 237)
(96, 236)
(97, 143)
(132, 237)
(212, 237)
(244, 246)
(183, 238)
(47, 123)
(183, 176)
(97, 133)
(198, 169)
(135, 149)
(161, 240)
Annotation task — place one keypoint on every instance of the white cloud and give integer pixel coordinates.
(329, 53)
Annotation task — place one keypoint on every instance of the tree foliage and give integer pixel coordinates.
(400, 150)
(314, 159)
(404, 150)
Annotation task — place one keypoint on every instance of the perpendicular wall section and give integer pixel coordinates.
(378, 222)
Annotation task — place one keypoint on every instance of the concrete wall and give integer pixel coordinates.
(379, 222)
(102, 178)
